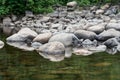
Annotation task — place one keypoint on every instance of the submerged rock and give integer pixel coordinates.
(1, 44)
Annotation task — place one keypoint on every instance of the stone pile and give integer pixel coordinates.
(66, 31)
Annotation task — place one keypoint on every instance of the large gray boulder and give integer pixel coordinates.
(52, 48)
(68, 39)
(113, 26)
(22, 35)
(43, 38)
(97, 28)
(1, 44)
(54, 51)
(83, 34)
(108, 34)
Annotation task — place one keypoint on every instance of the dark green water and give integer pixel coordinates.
(16, 64)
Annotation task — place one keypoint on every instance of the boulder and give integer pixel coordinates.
(83, 52)
(72, 4)
(108, 34)
(100, 48)
(43, 38)
(112, 42)
(68, 39)
(52, 48)
(83, 34)
(1, 44)
(22, 35)
(36, 45)
(113, 26)
(97, 28)
(112, 50)
(88, 43)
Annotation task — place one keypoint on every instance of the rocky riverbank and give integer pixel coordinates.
(65, 31)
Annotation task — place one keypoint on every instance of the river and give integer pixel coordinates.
(16, 64)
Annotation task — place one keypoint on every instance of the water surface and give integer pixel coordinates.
(16, 64)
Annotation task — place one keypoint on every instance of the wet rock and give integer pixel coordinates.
(36, 45)
(113, 26)
(21, 45)
(110, 43)
(54, 51)
(112, 50)
(83, 34)
(88, 43)
(83, 52)
(43, 38)
(22, 35)
(118, 47)
(68, 39)
(105, 35)
(97, 28)
(1, 44)
(52, 48)
(100, 48)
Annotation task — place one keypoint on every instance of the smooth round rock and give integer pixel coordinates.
(43, 38)
(52, 48)
(83, 34)
(68, 39)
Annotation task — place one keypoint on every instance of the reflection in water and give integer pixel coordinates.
(53, 57)
(21, 45)
(21, 65)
